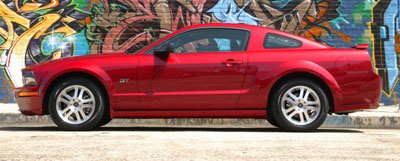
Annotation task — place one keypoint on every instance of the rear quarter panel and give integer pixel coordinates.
(345, 71)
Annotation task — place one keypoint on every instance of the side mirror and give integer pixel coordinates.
(164, 51)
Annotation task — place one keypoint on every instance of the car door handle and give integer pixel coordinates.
(232, 62)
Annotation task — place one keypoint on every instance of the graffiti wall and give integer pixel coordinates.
(35, 31)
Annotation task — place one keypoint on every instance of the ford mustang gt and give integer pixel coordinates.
(206, 71)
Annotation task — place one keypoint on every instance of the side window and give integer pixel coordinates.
(206, 40)
(279, 41)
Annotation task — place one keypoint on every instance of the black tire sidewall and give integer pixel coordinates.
(272, 120)
(99, 108)
(286, 124)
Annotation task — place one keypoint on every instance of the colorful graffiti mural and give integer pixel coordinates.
(385, 27)
(35, 31)
(136, 25)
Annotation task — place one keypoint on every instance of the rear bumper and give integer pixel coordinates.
(29, 101)
(367, 97)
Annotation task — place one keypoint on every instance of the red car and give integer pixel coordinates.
(209, 70)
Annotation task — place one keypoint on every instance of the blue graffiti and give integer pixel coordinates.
(337, 22)
(6, 95)
(59, 42)
(229, 12)
(279, 3)
(390, 16)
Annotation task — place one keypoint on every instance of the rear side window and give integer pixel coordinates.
(279, 41)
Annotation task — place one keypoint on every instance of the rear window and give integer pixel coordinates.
(279, 41)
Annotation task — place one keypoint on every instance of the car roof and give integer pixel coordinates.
(241, 26)
(227, 25)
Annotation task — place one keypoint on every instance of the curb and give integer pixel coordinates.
(332, 121)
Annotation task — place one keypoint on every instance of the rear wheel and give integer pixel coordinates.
(76, 104)
(300, 105)
(104, 121)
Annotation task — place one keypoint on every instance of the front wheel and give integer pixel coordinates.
(76, 104)
(300, 105)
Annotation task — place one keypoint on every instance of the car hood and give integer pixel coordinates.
(85, 58)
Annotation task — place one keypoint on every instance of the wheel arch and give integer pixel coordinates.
(307, 70)
(303, 75)
(59, 78)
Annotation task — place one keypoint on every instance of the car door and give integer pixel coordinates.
(205, 70)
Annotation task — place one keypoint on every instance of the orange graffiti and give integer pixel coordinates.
(397, 43)
(316, 28)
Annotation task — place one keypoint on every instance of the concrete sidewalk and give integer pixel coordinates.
(387, 117)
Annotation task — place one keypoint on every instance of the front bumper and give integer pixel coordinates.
(29, 101)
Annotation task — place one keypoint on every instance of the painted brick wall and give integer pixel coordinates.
(37, 31)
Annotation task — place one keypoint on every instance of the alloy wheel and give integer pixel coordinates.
(300, 105)
(75, 104)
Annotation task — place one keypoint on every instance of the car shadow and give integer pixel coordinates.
(175, 129)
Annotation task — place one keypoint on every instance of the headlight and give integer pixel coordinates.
(28, 78)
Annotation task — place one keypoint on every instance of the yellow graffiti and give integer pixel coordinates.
(36, 6)
(68, 31)
(56, 55)
(18, 44)
(67, 19)
(9, 16)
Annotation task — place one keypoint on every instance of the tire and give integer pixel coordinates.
(104, 121)
(344, 113)
(76, 104)
(300, 105)
(271, 120)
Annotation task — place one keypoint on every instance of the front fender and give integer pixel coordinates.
(86, 68)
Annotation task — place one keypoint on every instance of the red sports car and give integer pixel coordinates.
(209, 70)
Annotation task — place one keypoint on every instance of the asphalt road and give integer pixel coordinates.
(138, 143)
